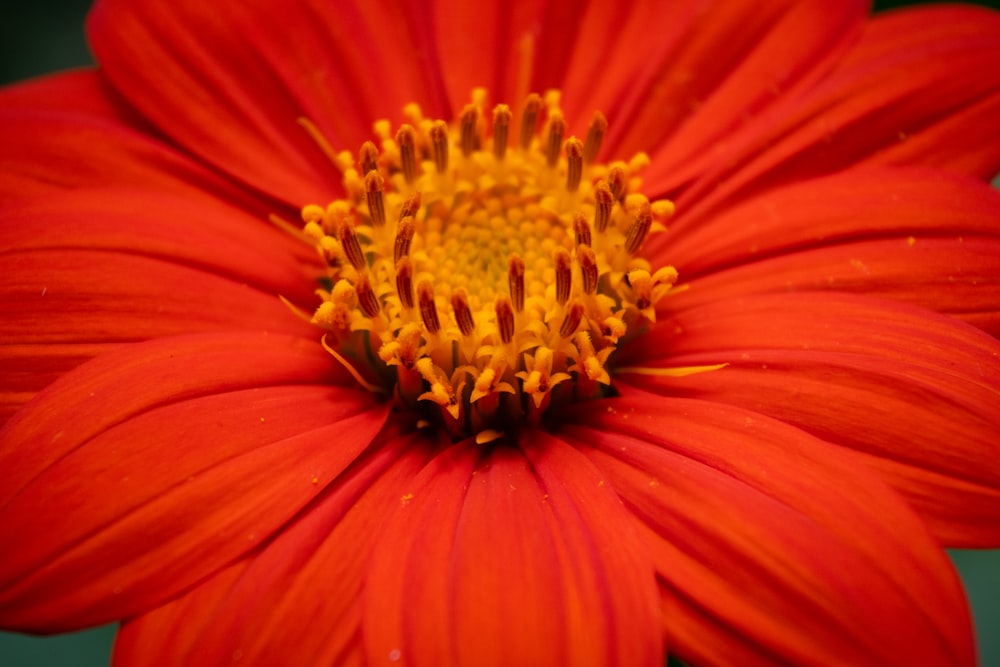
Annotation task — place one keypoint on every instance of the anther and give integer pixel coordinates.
(463, 313)
(564, 274)
(595, 135)
(404, 282)
(505, 319)
(373, 193)
(467, 124)
(581, 228)
(501, 126)
(557, 127)
(366, 296)
(603, 203)
(515, 281)
(587, 258)
(410, 206)
(368, 157)
(428, 309)
(439, 145)
(572, 320)
(529, 119)
(616, 181)
(406, 140)
(574, 163)
(404, 236)
(352, 247)
(639, 229)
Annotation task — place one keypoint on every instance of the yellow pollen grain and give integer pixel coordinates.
(476, 275)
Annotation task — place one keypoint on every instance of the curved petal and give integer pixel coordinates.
(91, 143)
(296, 601)
(914, 392)
(927, 90)
(114, 459)
(507, 557)
(959, 276)
(853, 205)
(230, 81)
(709, 69)
(767, 544)
(126, 266)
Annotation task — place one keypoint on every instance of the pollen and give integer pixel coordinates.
(483, 272)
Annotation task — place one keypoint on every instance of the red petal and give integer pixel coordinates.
(123, 266)
(229, 82)
(860, 113)
(915, 392)
(505, 557)
(295, 602)
(120, 445)
(959, 276)
(703, 71)
(90, 143)
(773, 547)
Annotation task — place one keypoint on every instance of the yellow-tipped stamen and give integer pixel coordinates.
(581, 229)
(639, 229)
(404, 237)
(352, 246)
(529, 119)
(617, 182)
(420, 248)
(463, 314)
(469, 137)
(368, 157)
(439, 146)
(564, 275)
(405, 139)
(557, 127)
(587, 259)
(373, 194)
(574, 163)
(505, 319)
(595, 135)
(501, 127)
(515, 282)
(404, 282)
(410, 206)
(367, 300)
(428, 309)
(604, 201)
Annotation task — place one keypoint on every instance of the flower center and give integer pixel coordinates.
(482, 278)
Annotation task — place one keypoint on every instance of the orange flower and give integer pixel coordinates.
(570, 437)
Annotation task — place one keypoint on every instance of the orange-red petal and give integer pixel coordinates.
(510, 556)
(178, 456)
(774, 547)
(914, 392)
(296, 601)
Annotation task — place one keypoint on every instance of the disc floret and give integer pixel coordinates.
(479, 280)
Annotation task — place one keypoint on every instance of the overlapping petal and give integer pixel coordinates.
(929, 89)
(890, 381)
(917, 235)
(230, 83)
(511, 556)
(279, 514)
(768, 542)
(93, 143)
(171, 509)
(297, 600)
(85, 271)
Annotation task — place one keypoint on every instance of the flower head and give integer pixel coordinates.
(488, 388)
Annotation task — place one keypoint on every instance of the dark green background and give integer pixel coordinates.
(39, 36)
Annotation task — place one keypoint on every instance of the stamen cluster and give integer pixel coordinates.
(483, 281)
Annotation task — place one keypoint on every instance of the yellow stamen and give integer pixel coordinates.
(434, 225)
